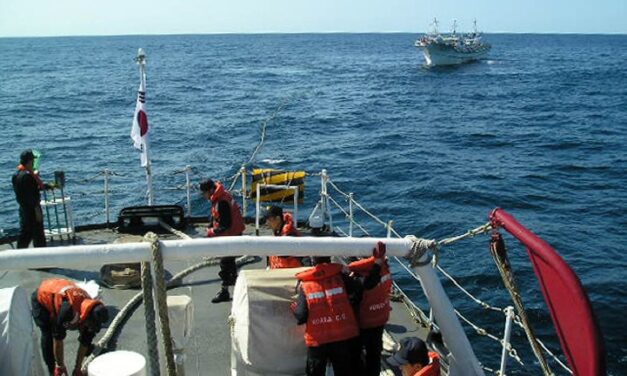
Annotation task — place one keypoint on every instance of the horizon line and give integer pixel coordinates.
(302, 33)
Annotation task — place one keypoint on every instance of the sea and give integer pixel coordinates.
(538, 128)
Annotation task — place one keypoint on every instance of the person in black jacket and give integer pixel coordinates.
(27, 184)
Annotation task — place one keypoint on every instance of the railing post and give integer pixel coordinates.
(325, 201)
(350, 214)
(389, 227)
(106, 194)
(257, 210)
(188, 186)
(296, 207)
(509, 316)
(242, 172)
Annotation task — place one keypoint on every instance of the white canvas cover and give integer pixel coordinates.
(19, 355)
(265, 337)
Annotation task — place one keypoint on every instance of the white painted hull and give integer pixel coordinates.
(438, 56)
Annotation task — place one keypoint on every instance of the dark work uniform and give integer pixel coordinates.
(228, 268)
(27, 195)
(371, 338)
(57, 329)
(343, 354)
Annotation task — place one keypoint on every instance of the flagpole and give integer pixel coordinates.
(141, 61)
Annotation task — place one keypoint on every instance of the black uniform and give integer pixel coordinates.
(27, 195)
(228, 267)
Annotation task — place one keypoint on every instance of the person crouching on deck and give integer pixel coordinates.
(282, 224)
(226, 220)
(374, 309)
(59, 305)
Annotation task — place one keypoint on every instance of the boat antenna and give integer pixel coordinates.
(435, 25)
(474, 23)
(454, 26)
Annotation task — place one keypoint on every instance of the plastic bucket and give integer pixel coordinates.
(118, 363)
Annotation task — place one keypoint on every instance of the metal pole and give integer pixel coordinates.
(141, 61)
(509, 317)
(242, 172)
(106, 194)
(47, 213)
(350, 214)
(257, 210)
(325, 201)
(188, 186)
(296, 207)
(56, 214)
(389, 226)
(67, 224)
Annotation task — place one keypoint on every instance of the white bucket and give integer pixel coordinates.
(118, 363)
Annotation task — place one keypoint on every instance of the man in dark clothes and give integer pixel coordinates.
(59, 305)
(226, 221)
(27, 184)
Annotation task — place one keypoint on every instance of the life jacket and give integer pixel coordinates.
(288, 228)
(237, 222)
(52, 292)
(29, 171)
(431, 369)
(374, 309)
(331, 316)
(280, 262)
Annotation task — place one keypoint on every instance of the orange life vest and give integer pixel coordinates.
(431, 369)
(280, 262)
(52, 292)
(374, 309)
(331, 316)
(237, 222)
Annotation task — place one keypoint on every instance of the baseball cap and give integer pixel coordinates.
(413, 350)
(273, 211)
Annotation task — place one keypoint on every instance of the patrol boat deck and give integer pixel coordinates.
(209, 348)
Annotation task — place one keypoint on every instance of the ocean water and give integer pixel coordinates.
(539, 128)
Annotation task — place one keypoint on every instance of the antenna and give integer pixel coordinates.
(454, 26)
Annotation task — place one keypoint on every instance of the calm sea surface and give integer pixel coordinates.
(539, 128)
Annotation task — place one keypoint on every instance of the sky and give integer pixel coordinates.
(123, 17)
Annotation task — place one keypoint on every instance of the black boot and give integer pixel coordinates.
(222, 296)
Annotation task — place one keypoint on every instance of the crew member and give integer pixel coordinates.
(414, 359)
(326, 297)
(282, 224)
(226, 221)
(59, 305)
(374, 309)
(27, 184)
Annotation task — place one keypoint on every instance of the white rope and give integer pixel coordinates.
(348, 216)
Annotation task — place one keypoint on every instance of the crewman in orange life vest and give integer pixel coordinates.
(374, 309)
(327, 298)
(282, 224)
(414, 359)
(59, 305)
(226, 221)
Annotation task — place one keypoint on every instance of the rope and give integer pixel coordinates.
(499, 253)
(419, 248)
(150, 319)
(347, 215)
(469, 234)
(162, 304)
(264, 125)
(475, 299)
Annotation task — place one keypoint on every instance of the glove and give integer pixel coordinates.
(210, 233)
(77, 372)
(379, 250)
(293, 306)
(60, 371)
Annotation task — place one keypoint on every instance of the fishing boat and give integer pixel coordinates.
(180, 332)
(452, 49)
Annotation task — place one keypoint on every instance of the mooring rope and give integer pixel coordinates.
(150, 319)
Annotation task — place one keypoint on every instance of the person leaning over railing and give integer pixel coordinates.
(282, 224)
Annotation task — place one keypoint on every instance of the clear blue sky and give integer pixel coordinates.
(114, 17)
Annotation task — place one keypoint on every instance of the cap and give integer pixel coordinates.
(273, 211)
(413, 350)
(27, 156)
(207, 185)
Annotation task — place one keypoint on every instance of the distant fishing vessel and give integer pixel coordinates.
(452, 49)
